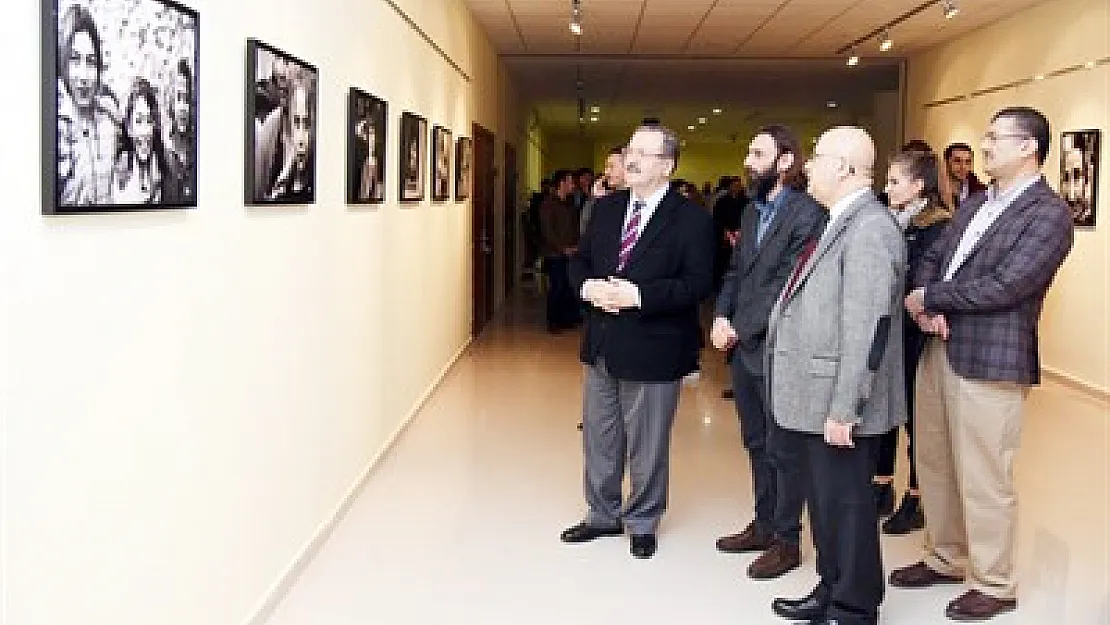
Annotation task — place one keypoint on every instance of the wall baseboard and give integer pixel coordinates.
(280, 588)
(1093, 390)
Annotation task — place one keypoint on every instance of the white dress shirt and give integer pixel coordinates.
(996, 204)
(651, 203)
(836, 210)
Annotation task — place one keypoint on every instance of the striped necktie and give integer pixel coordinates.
(630, 235)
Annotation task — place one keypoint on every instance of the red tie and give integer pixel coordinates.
(802, 260)
(630, 235)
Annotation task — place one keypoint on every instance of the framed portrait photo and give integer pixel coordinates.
(281, 127)
(1079, 169)
(366, 121)
(442, 147)
(413, 159)
(464, 155)
(119, 101)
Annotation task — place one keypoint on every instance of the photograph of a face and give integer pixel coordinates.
(281, 127)
(119, 98)
(413, 160)
(463, 157)
(441, 163)
(366, 119)
(1079, 165)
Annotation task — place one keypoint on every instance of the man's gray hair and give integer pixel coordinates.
(670, 141)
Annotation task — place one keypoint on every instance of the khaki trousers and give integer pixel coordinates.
(966, 435)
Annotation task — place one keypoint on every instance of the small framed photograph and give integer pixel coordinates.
(1079, 168)
(413, 160)
(463, 157)
(119, 102)
(281, 127)
(441, 163)
(366, 120)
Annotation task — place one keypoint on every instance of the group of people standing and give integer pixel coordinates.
(845, 318)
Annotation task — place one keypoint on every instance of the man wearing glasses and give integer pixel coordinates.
(643, 265)
(980, 293)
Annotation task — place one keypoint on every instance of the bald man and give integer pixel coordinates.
(835, 367)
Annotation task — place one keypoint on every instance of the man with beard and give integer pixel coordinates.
(772, 236)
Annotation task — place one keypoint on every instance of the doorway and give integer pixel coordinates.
(482, 207)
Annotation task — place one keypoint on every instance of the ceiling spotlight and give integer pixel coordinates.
(691, 127)
(595, 109)
(594, 119)
(702, 120)
(717, 111)
(887, 43)
(1039, 77)
(853, 60)
(950, 9)
(831, 104)
(576, 17)
(1090, 64)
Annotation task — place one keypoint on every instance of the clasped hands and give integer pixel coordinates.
(929, 324)
(612, 294)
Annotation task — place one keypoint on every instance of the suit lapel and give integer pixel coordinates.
(1020, 204)
(830, 236)
(772, 229)
(610, 254)
(657, 224)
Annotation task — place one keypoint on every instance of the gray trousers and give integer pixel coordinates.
(624, 419)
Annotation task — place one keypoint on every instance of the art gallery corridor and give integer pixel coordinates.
(459, 522)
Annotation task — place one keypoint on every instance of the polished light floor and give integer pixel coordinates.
(459, 523)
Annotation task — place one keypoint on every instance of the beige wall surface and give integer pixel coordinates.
(1075, 333)
(188, 395)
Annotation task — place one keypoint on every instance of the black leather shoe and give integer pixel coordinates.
(908, 518)
(584, 532)
(812, 607)
(643, 545)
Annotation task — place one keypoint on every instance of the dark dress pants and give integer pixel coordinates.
(563, 310)
(776, 467)
(845, 525)
(887, 450)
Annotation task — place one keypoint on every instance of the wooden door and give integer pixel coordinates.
(510, 218)
(482, 228)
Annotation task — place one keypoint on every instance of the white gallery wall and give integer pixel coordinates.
(187, 396)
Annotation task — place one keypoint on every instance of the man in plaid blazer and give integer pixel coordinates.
(980, 292)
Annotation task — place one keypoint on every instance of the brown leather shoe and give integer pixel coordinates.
(781, 558)
(920, 576)
(751, 539)
(976, 606)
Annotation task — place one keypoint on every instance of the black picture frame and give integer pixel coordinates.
(412, 161)
(280, 89)
(1079, 174)
(464, 168)
(442, 149)
(116, 81)
(367, 117)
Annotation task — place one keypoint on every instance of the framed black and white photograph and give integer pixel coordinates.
(464, 155)
(441, 163)
(366, 120)
(1079, 165)
(119, 101)
(413, 160)
(281, 127)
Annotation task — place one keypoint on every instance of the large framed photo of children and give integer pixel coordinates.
(365, 148)
(120, 100)
(281, 127)
(414, 157)
(1079, 165)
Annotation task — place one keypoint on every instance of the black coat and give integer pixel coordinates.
(672, 264)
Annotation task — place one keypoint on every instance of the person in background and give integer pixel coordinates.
(960, 182)
(612, 179)
(913, 186)
(559, 237)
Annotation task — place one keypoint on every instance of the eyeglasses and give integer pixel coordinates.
(626, 153)
(993, 137)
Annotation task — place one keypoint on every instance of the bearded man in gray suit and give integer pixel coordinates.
(835, 369)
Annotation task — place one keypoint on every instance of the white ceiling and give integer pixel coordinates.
(641, 56)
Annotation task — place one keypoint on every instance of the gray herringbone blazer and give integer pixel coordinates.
(835, 341)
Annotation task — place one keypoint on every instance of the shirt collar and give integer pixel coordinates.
(652, 201)
(1020, 186)
(842, 205)
(775, 204)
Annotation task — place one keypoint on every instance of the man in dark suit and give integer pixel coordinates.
(834, 353)
(980, 292)
(643, 265)
(773, 232)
